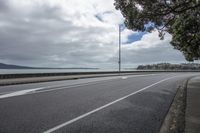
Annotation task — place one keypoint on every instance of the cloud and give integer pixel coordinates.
(150, 49)
(68, 33)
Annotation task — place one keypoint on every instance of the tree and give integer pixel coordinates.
(180, 18)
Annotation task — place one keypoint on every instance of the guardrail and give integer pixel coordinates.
(29, 75)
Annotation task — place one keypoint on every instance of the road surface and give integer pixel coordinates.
(119, 104)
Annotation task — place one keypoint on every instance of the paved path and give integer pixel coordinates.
(193, 106)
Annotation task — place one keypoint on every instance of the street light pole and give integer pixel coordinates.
(119, 48)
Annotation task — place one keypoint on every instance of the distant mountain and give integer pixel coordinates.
(9, 66)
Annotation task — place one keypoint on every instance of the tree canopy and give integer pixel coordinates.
(180, 18)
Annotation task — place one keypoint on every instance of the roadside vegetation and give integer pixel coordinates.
(168, 66)
(180, 18)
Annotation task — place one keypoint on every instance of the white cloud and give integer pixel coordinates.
(150, 49)
(67, 33)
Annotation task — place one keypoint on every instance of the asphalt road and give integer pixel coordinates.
(126, 104)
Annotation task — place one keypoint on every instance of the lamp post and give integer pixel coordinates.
(119, 48)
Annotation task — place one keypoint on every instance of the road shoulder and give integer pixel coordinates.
(184, 113)
(175, 119)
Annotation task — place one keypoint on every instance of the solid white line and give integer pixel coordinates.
(102, 107)
(54, 88)
(19, 93)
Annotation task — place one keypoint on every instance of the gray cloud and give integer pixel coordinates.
(45, 36)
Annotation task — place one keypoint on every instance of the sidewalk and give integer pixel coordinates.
(192, 116)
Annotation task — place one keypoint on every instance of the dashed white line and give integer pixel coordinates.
(102, 107)
(54, 88)
(124, 77)
(19, 93)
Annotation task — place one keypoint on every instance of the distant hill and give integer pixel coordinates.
(9, 66)
(168, 66)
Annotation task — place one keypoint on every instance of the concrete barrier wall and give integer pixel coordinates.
(10, 76)
(29, 75)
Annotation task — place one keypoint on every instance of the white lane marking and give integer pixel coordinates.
(79, 85)
(102, 107)
(19, 93)
(53, 88)
(7, 92)
(124, 77)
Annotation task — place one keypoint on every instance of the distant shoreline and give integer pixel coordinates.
(48, 68)
(9, 66)
(168, 66)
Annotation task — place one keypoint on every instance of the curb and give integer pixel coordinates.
(47, 79)
(174, 121)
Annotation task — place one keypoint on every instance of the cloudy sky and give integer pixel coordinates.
(75, 33)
